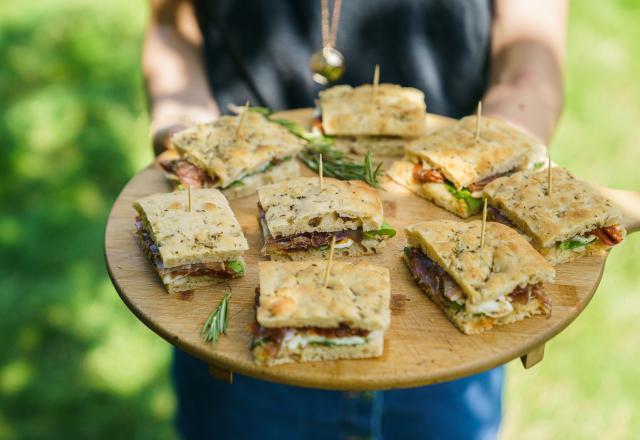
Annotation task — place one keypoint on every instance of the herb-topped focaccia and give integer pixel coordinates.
(383, 123)
(190, 250)
(575, 220)
(477, 287)
(299, 219)
(299, 320)
(450, 166)
(218, 155)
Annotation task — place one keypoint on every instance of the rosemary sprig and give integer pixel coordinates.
(294, 128)
(372, 174)
(264, 111)
(216, 323)
(336, 164)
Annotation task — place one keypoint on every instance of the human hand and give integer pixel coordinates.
(526, 103)
(170, 117)
(161, 137)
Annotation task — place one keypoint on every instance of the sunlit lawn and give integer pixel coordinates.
(74, 363)
(588, 386)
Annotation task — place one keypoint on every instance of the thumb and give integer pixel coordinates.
(161, 139)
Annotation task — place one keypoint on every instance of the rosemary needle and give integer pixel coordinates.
(216, 323)
(337, 165)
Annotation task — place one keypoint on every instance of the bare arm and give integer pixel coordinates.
(527, 57)
(173, 70)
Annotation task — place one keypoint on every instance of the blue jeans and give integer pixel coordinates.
(469, 408)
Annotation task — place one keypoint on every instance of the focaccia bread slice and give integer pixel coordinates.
(555, 255)
(395, 111)
(209, 233)
(357, 249)
(227, 158)
(286, 170)
(401, 172)
(473, 323)
(448, 272)
(505, 262)
(294, 352)
(463, 160)
(574, 209)
(298, 206)
(378, 145)
(299, 320)
(184, 282)
(181, 173)
(292, 295)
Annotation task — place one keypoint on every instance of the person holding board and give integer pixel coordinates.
(200, 56)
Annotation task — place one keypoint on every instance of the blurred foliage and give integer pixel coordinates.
(588, 386)
(74, 363)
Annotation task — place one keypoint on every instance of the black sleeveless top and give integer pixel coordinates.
(259, 50)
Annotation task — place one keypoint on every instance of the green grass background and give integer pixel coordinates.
(74, 363)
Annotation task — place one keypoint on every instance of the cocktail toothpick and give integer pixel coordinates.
(244, 112)
(188, 198)
(478, 117)
(484, 222)
(376, 81)
(549, 178)
(320, 172)
(325, 283)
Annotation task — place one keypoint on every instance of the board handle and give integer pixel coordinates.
(221, 373)
(533, 357)
(629, 204)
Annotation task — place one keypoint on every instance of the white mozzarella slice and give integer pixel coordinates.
(294, 340)
(494, 308)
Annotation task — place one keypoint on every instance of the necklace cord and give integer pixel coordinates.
(330, 30)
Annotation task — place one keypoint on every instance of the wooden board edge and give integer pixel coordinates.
(204, 352)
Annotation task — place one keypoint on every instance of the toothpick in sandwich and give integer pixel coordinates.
(240, 122)
(478, 117)
(376, 81)
(189, 198)
(484, 222)
(329, 262)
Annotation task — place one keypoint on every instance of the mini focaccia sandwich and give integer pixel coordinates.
(450, 166)
(218, 155)
(190, 250)
(361, 122)
(575, 220)
(299, 320)
(476, 287)
(299, 219)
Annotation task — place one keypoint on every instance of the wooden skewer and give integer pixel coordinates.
(484, 222)
(321, 172)
(189, 198)
(549, 179)
(478, 117)
(244, 112)
(325, 283)
(376, 80)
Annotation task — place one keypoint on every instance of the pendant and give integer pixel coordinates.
(327, 65)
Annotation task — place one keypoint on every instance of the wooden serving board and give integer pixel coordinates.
(421, 346)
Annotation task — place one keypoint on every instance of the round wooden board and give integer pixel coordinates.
(421, 346)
